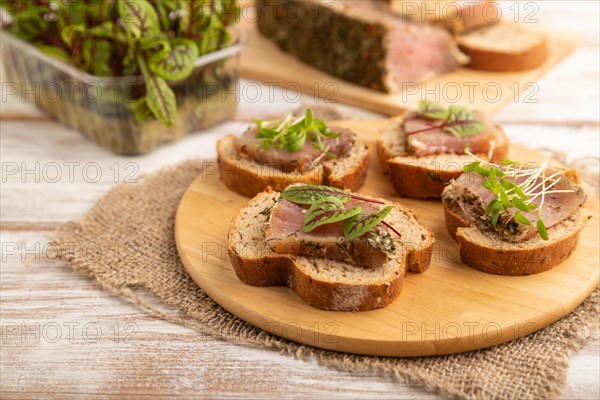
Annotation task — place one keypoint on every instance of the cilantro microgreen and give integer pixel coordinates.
(515, 188)
(293, 132)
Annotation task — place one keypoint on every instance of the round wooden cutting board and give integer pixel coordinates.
(450, 308)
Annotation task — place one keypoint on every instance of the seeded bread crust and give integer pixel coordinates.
(326, 284)
(425, 176)
(248, 178)
(504, 47)
(488, 253)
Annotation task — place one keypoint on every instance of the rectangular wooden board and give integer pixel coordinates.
(262, 60)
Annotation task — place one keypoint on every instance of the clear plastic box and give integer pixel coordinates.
(101, 108)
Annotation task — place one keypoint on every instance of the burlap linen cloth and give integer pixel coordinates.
(142, 215)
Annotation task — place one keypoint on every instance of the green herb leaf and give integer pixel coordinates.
(204, 22)
(462, 122)
(214, 28)
(495, 215)
(107, 37)
(504, 199)
(541, 228)
(158, 43)
(139, 17)
(471, 167)
(516, 189)
(292, 133)
(71, 33)
(360, 224)
(160, 97)
(488, 184)
(519, 204)
(521, 218)
(327, 206)
(481, 170)
(176, 63)
(309, 194)
(494, 205)
(506, 184)
(96, 56)
(433, 110)
(457, 120)
(107, 30)
(520, 192)
(327, 210)
(141, 111)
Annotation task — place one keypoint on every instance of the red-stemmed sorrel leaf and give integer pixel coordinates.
(362, 223)
(327, 211)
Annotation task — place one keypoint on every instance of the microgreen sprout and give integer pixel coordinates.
(291, 133)
(516, 188)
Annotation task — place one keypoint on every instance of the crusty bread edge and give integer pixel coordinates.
(382, 150)
(248, 178)
(280, 270)
(490, 60)
(352, 179)
(418, 260)
(510, 262)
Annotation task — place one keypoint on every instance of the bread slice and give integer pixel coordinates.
(248, 178)
(504, 47)
(455, 15)
(323, 283)
(425, 176)
(487, 252)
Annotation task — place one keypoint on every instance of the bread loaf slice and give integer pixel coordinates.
(487, 252)
(248, 178)
(504, 47)
(455, 15)
(323, 283)
(424, 176)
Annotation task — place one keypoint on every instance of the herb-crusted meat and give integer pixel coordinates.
(359, 41)
(565, 200)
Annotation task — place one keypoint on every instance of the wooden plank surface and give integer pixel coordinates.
(168, 359)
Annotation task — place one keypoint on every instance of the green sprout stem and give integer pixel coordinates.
(293, 132)
(519, 195)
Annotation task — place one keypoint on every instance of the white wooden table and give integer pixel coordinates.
(63, 336)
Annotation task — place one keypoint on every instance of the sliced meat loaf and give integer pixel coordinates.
(359, 41)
